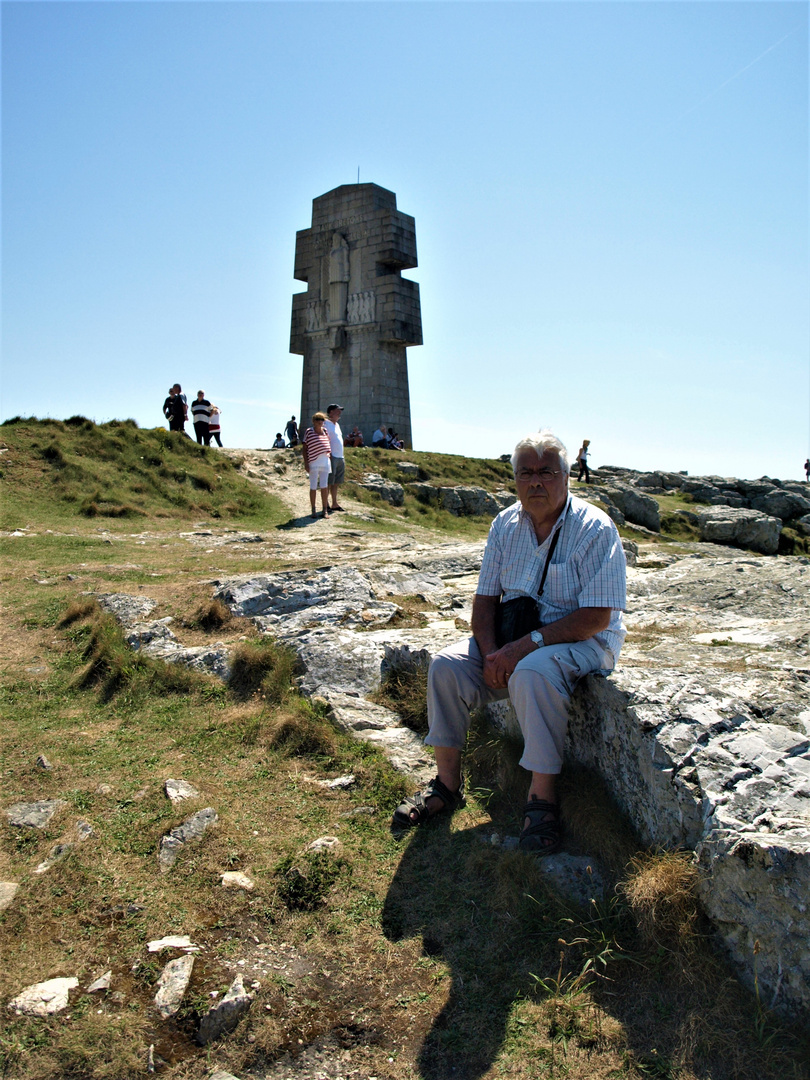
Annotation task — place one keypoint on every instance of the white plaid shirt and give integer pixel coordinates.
(587, 569)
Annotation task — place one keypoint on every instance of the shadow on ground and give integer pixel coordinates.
(447, 889)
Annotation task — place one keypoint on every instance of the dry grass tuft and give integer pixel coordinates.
(262, 668)
(660, 889)
(404, 691)
(212, 615)
(78, 611)
(294, 730)
(112, 666)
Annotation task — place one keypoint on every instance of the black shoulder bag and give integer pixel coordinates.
(518, 617)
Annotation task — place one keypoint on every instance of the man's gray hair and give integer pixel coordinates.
(540, 442)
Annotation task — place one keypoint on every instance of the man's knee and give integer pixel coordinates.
(442, 671)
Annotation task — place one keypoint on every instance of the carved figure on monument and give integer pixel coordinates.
(354, 345)
(338, 278)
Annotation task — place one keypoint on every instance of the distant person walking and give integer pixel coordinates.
(175, 411)
(214, 425)
(582, 461)
(807, 470)
(317, 461)
(200, 412)
(291, 431)
(332, 428)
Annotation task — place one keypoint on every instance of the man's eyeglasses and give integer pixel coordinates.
(545, 476)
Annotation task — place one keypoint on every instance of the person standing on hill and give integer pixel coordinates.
(214, 427)
(201, 411)
(332, 427)
(291, 431)
(178, 389)
(582, 461)
(175, 411)
(317, 461)
(807, 469)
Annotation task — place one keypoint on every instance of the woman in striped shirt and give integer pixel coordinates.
(318, 461)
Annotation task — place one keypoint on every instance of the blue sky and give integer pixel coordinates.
(611, 204)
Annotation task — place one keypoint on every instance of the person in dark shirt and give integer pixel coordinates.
(291, 431)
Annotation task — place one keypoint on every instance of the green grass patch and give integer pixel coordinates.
(58, 471)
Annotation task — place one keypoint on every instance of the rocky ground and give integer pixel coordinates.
(703, 732)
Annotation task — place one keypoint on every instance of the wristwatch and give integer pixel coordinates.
(537, 638)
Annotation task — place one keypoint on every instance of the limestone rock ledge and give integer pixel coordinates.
(702, 733)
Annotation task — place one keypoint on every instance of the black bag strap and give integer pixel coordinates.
(550, 552)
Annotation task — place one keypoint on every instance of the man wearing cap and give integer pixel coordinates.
(332, 428)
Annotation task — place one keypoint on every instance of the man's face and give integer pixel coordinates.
(334, 415)
(542, 483)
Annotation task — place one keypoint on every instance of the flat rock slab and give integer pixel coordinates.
(752, 529)
(172, 985)
(192, 829)
(235, 879)
(8, 890)
(180, 790)
(33, 815)
(125, 608)
(172, 941)
(45, 998)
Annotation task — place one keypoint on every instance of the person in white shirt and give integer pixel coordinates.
(332, 428)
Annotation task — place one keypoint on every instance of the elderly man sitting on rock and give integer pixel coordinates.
(547, 610)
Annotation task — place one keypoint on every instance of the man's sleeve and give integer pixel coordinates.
(603, 571)
(489, 577)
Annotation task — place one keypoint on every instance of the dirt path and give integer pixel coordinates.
(281, 473)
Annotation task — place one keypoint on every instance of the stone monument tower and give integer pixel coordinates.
(357, 317)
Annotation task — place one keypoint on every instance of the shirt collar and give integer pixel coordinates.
(557, 524)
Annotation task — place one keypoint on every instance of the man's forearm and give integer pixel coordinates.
(578, 626)
(483, 622)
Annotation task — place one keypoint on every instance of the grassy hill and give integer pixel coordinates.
(75, 468)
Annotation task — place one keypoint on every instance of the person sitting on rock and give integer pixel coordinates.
(557, 561)
(354, 438)
(279, 444)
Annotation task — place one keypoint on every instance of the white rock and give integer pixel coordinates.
(235, 879)
(8, 890)
(101, 983)
(172, 985)
(178, 790)
(45, 998)
(173, 941)
(324, 843)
